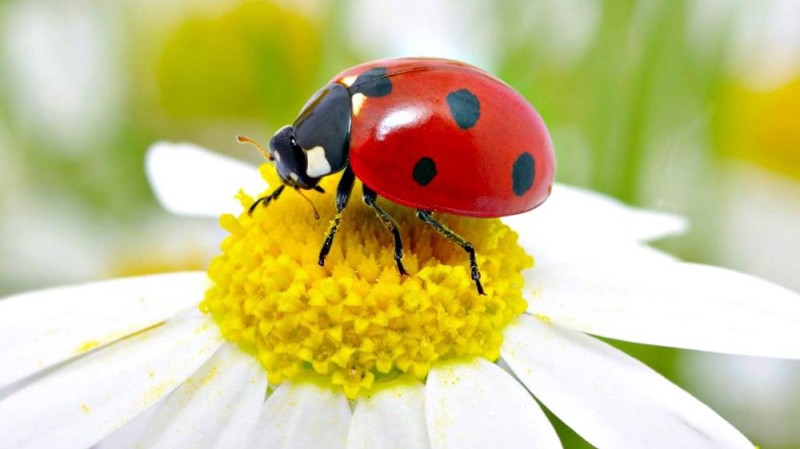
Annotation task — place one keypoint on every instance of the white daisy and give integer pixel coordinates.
(134, 363)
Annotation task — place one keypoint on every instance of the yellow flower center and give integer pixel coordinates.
(357, 321)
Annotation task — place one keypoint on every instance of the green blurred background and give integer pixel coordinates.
(691, 107)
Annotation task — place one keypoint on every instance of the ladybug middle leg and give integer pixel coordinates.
(369, 199)
(425, 216)
(343, 191)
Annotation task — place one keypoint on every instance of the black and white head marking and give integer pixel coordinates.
(322, 130)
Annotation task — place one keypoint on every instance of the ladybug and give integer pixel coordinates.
(432, 134)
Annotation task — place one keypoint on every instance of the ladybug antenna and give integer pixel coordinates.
(316, 214)
(245, 139)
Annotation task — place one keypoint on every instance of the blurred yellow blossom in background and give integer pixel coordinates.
(762, 126)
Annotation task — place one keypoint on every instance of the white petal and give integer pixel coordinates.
(78, 404)
(577, 225)
(190, 180)
(392, 418)
(609, 398)
(563, 248)
(670, 304)
(303, 416)
(478, 405)
(574, 206)
(40, 329)
(217, 407)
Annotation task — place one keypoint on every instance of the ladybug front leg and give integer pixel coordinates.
(266, 199)
(369, 199)
(425, 216)
(343, 191)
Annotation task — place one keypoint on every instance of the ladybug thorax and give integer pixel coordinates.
(316, 145)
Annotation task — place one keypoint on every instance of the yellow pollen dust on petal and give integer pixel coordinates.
(356, 322)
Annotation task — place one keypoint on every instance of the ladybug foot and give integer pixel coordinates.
(476, 276)
(326, 245)
(426, 217)
(400, 266)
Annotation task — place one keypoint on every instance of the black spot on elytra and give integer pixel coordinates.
(522, 173)
(424, 171)
(464, 107)
(374, 82)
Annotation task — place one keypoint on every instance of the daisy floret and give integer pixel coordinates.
(357, 321)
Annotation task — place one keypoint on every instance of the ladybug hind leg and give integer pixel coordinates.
(369, 199)
(458, 240)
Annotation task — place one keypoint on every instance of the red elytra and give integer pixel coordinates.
(474, 166)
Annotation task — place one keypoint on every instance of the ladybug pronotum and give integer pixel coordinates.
(431, 134)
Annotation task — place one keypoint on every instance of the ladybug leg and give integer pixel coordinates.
(369, 199)
(425, 216)
(266, 199)
(343, 191)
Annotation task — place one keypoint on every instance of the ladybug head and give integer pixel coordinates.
(290, 160)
